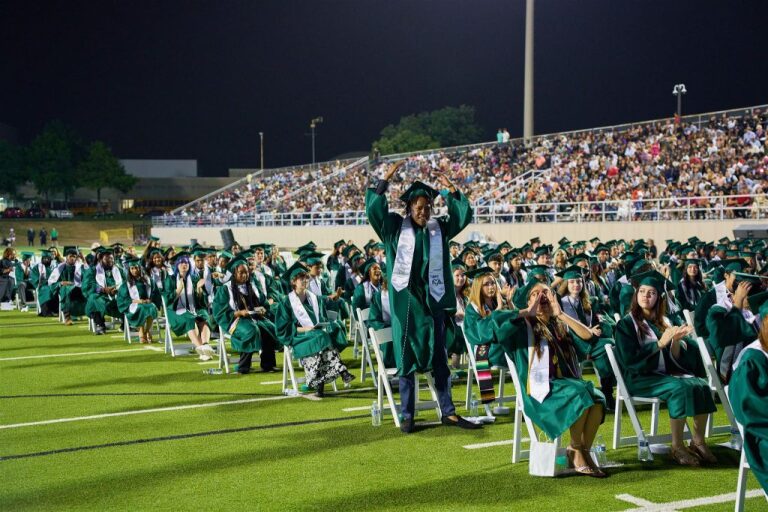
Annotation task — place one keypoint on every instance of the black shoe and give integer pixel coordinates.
(99, 330)
(347, 377)
(243, 371)
(320, 392)
(268, 370)
(461, 423)
(407, 426)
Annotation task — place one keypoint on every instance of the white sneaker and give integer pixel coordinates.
(204, 354)
(208, 349)
(25, 309)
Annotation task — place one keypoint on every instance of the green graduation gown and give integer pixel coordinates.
(727, 328)
(98, 301)
(685, 396)
(181, 319)
(748, 391)
(137, 314)
(71, 296)
(308, 343)
(38, 276)
(412, 307)
(568, 398)
(247, 333)
(489, 330)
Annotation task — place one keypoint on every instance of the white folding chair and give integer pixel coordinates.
(617, 317)
(224, 360)
(354, 331)
(362, 327)
(180, 349)
(289, 374)
(518, 453)
(384, 374)
(472, 377)
(624, 398)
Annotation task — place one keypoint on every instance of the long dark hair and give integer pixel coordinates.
(247, 300)
(657, 315)
(697, 282)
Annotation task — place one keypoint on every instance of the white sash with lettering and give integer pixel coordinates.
(186, 302)
(315, 286)
(401, 273)
(300, 313)
(538, 367)
(386, 314)
(54, 278)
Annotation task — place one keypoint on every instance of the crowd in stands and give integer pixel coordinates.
(625, 174)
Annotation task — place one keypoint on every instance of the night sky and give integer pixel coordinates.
(200, 79)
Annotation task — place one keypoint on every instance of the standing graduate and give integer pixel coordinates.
(420, 284)
(66, 281)
(748, 392)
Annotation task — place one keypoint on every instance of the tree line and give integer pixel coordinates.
(58, 161)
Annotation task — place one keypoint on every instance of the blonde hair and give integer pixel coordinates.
(476, 293)
(562, 290)
(763, 334)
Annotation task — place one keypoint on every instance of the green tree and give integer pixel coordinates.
(52, 158)
(11, 168)
(100, 169)
(449, 126)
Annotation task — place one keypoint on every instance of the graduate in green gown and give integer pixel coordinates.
(420, 284)
(372, 277)
(748, 392)
(187, 310)
(163, 283)
(537, 337)
(486, 315)
(66, 281)
(575, 302)
(39, 279)
(134, 300)
(380, 317)
(100, 285)
(657, 361)
(690, 287)
(454, 334)
(23, 274)
(302, 324)
(242, 311)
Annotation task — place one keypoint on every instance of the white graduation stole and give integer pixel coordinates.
(406, 245)
(101, 278)
(229, 285)
(369, 290)
(133, 291)
(186, 302)
(157, 277)
(386, 314)
(262, 281)
(651, 338)
(57, 272)
(300, 313)
(538, 367)
(315, 287)
(755, 345)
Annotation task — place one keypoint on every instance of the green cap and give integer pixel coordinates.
(602, 247)
(535, 240)
(133, 262)
(418, 189)
(236, 262)
(494, 254)
(472, 274)
(579, 257)
(26, 255)
(366, 267)
(154, 238)
(563, 241)
(179, 255)
(45, 253)
(757, 303)
(339, 243)
(294, 270)
(537, 270)
(504, 245)
(226, 254)
(734, 265)
(572, 272)
(544, 249)
(69, 249)
(651, 278)
(692, 261)
(309, 246)
(749, 278)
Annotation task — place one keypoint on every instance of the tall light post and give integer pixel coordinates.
(261, 150)
(312, 124)
(528, 76)
(678, 91)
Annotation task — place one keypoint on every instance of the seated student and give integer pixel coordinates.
(576, 303)
(656, 361)
(163, 283)
(302, 324)
(454, 334)
(730, 326)
(23, 273)
(241, 310)
(748, 392)
(538, 338)
(380, 317)
(318, 286)
(100, 285)
(372, 279)
(336, 260)
(134, 299)
(516, 275)
(66, 281)
(355, 277)
(690, 287)
(187, 313)
(39, 280)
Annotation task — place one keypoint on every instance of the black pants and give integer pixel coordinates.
(268, 361)
(98, 319)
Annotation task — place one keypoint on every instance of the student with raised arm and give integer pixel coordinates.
(420, 283)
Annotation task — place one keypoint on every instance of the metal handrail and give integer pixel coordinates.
(628, 210)
(216, 192)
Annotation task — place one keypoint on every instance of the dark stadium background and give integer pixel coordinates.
(200, 79)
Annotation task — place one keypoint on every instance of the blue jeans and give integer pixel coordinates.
(440, 372)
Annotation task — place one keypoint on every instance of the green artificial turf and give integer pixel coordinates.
(276, 453)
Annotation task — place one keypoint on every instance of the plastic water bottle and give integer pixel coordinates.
(600, 451)
(375, 414)
(474, 405)
(644, 451)
(735, 437)
(213, 371)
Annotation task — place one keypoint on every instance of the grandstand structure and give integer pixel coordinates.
(707, 166)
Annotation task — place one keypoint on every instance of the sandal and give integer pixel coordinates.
(586, 470)
(685, 458)
(701, 451)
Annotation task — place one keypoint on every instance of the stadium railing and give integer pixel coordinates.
(627, 210)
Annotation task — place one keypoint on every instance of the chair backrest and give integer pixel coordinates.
(381, 337)
(332, 316)
(688, 315)
(519, 392)
(620, 384)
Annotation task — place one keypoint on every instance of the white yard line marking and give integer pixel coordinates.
(142, 411)
(354, 409)
(477, 446)
(648, 506)
(270, 382)
(73, 354)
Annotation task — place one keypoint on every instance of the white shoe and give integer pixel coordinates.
(25, 309)
(203, 353)
(208, 349)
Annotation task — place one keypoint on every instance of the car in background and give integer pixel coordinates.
(60, 214)
(13, 212)
(35, 213)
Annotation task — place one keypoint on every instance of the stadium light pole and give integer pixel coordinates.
(678, 91)
(528, 80)
(261, 150)
(312, 124)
